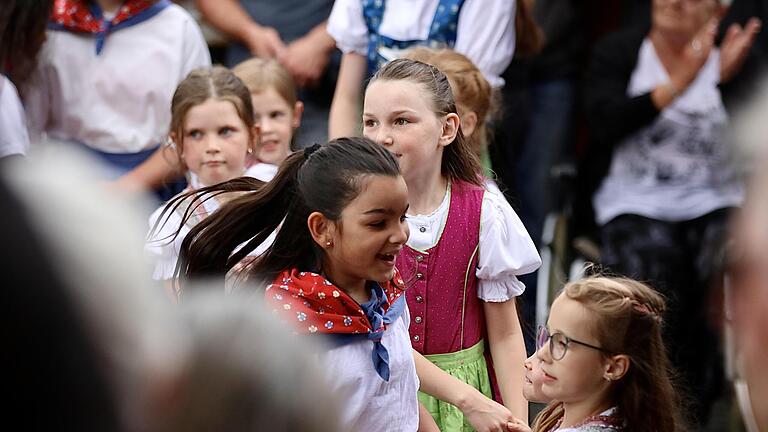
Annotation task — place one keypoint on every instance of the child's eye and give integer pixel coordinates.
(377, 224)
(226, 131)
(369, 123)
(401, 121)
(276, 114)
(403, 218)
(195, 134)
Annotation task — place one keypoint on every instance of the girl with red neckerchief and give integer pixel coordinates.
(331, 271)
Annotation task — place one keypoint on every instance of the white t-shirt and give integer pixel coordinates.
(485, 32)
(13, 124)
(506, 250)
(118, 101)
(679, 167)
(370, 403)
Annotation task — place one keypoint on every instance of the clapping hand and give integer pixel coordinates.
(735, 47)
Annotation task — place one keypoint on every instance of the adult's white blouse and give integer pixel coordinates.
(505, 252)
(13, 124)
(118, 101)
(485, 31)
(370, 403)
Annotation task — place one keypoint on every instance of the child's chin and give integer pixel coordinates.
(385, 276)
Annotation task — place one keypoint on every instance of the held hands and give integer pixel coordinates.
(736, 46)
(307, 57)
(517, 425)
(264, 42)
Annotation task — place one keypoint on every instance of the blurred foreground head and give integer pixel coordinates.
(749, 273)
(244, 373)
(92, 344)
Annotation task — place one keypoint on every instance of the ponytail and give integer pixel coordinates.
(249, 219)
(321, 178)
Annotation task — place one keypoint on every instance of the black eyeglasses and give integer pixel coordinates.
(558, 343)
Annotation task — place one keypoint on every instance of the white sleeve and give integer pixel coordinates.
(13, 125)
(346, 25)
(196, 54)
(162, 248)
(486, 34)
(506, 250)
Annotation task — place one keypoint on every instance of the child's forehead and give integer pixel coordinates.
(212, 105)
(266, 91)
(398, 91)
(571, 318)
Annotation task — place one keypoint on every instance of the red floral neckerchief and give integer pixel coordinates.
(312, 304)
(80, 16)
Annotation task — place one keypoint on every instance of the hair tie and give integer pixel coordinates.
(311, 149)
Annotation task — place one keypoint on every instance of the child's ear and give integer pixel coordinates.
(298, 111)
(173, 140)
(177, 150)
(450, 129)
(469, 123)
(321, 229)
(616, 367)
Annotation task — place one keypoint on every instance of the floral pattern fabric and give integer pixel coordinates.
(314, 305)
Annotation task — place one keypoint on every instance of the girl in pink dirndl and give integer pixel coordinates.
(466, 246)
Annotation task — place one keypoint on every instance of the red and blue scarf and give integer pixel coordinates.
(81, 16)
(313, 305)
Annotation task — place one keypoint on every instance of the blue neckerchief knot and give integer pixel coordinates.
(374, 311)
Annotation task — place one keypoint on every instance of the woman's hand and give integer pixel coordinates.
(736, 46)
(695, 55)
(686, 63)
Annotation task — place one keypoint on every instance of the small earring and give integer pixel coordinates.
(609, 378)
(329, 243)
(250, 151)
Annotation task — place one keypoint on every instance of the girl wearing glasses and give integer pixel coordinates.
(603, 361)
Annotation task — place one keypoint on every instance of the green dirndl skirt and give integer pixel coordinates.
(467, 365)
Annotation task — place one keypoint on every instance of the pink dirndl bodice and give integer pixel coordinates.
(446, 313)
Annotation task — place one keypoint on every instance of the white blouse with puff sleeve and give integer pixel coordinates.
(506, 250)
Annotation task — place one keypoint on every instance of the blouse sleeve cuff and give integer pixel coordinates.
(346, 26)
(349, 43)
(498, 291)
